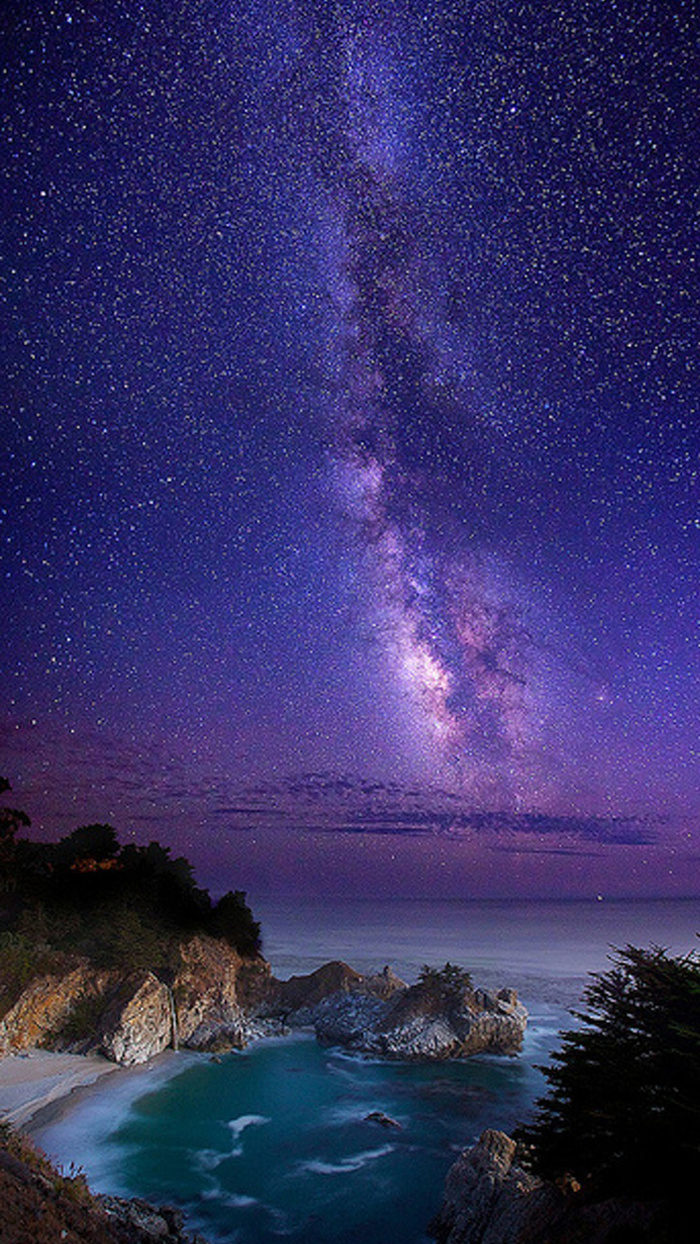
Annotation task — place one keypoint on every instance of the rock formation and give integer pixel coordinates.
(131, 1018)
(489, 1199)
(45, 1005)
(380, 1014)
(219, 1000)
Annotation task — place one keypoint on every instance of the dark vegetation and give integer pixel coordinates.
(40, 1205)
(448, 984)
(120, 906)
(622, 1114)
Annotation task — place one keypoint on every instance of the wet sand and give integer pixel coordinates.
(32, 1082)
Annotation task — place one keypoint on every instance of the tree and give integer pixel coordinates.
(449, 984)
(233, 921)
(88, 842)
(623, 1109)
(11, 820)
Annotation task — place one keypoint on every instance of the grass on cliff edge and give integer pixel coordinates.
(41, 1205)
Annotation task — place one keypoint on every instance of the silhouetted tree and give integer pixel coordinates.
(11, 820)
(233, 920)
(623, 1109)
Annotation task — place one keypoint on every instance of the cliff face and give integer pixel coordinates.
(489, 1199)
(214, 994)
(134, 1016)
(46, 1004)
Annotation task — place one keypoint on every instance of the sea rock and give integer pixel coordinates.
(384, 1120)
(143, 1223)
(382, 1015)
(489, 1199)
(296, 1000)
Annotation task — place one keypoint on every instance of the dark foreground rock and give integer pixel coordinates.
(489, 1199)
(143, 1223)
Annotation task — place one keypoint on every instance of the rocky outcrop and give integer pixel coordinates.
(131, 1017)
(143, 1223)
(42, 1205)
(44, 1007)
(380, 1014)
(219, 1000)
(138, 1025)
(214, 992)
(489, 1199)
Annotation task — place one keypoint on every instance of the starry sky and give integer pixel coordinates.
(351, 439)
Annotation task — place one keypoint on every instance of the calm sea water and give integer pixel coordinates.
(273, 1143)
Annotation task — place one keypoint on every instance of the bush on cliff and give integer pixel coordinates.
(122, 907)
(623, 1110)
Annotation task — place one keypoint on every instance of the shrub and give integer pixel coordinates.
(449, 983)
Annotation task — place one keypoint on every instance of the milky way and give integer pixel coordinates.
(453, 634)
(351, 419)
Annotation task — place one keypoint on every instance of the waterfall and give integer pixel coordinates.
(173, 1018)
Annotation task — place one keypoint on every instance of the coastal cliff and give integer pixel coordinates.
(132, 1016)
(116, 950)
(41, 1205)
(218, 999)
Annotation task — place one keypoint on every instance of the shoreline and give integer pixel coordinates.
(37, 1087)
(35, 1081)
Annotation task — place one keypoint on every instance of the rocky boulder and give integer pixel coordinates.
(139, 1023)
(139, 1222)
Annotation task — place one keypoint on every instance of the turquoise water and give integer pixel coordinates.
(273, 1143)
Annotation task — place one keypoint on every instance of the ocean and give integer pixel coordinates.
(273, 1143)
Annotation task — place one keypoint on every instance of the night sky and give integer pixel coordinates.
(351, 439)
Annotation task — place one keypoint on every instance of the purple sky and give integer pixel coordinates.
(351, 533)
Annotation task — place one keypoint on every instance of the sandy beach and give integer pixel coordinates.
(31, 1081)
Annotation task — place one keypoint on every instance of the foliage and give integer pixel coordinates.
(42, 1204)
(90, 842)
(124, 907)
(84, 1017)
(233, 921)
(623, 1109)
(11, 820)
(449, 983)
